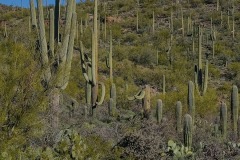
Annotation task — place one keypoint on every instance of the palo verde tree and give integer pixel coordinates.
(22, 97)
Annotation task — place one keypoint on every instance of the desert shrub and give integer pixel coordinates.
(207, 104)
(22, 98)
(143, 55)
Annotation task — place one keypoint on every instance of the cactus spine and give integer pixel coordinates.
(178, 115)
(234, 108)
(187, 131)
(159, 111)
(223, 120)
(191, 100)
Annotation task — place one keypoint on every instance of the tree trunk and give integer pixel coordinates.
(55, 108)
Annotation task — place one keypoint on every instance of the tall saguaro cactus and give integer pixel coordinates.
(191, 100)
(153, 22)
(56, 76)
(95, 57)
(200, 81)
(109, 60)
(110, 66)
(234, 108)
(90, 68)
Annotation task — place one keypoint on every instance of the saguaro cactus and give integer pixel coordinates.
(178, 115)
(5, 34)
(223, 120)
(110, 66)
(88, 73)
(137, 21)
(191, 100)
(143, 95)
(56, 76)
(109, 60)
(113, 95)
(164, 85)
(33, 14)
(153, 22)
(92, 64)
(159, 111)
(201, 85)
(187, 131)
(234, 108)
(182, 22)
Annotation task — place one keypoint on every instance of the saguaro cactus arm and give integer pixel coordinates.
(100, 102)
(140, 95)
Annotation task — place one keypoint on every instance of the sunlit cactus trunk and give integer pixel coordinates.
(95, 58)
(33, 15)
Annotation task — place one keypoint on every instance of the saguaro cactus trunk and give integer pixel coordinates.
(234, 108)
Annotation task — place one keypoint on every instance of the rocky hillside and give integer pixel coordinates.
(121, 80)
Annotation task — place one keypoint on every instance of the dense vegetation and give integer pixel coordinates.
(133, 79)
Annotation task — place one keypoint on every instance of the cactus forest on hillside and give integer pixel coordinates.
(133, 79)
